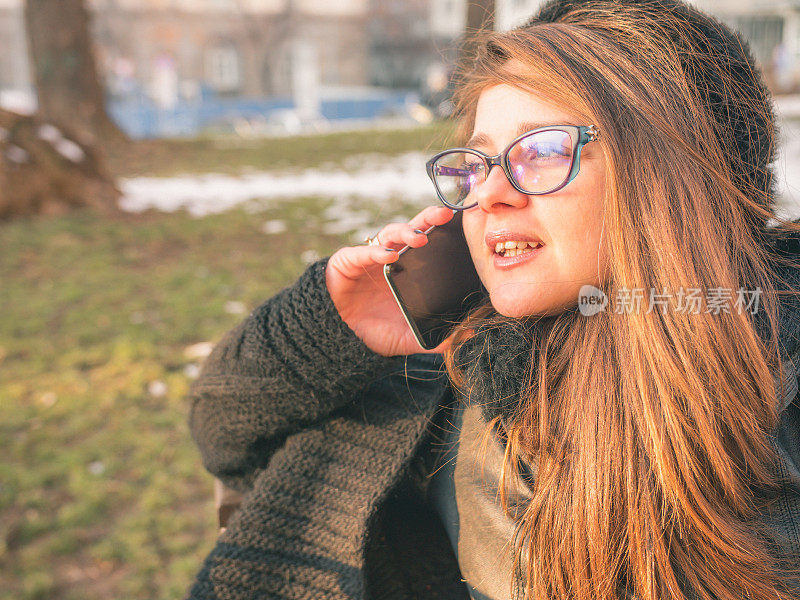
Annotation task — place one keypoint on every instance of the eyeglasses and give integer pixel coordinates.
(541, 161)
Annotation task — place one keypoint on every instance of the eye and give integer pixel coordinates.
(473, 165)
(542, 148)
(548, 150)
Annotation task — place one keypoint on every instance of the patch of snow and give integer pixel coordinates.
(234, 307)
(274, 226)
(192, 371)
(50, 133)
(157, 388)
(66, 148)
(19, 101)
(96, 468)
(309, 256)
(372, 177)
(198, 351)
(376, 180)
(69, 150)
(48, 399)
(347, 221)
(16, 154)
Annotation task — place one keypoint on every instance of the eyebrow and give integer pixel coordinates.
(481, 139)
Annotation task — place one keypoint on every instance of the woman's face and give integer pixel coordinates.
(568, 223)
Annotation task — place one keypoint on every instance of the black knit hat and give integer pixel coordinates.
(729, 82)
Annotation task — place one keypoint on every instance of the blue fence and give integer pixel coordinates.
(141, 118)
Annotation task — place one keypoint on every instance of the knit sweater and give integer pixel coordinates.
(317, 430)
(319, 433)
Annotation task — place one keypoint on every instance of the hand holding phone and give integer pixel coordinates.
(436, 285)
(356, 284)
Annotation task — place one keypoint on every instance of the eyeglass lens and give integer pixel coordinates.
(538, 163)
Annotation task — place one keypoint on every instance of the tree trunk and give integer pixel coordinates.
(64, 71)
(480, 19)
(480, 15)
(44, 169)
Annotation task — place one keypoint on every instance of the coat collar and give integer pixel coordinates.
(788, 247)
(788, 388)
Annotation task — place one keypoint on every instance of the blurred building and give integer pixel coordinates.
(207, 60)
(773, 29)
(512, 13)
(405, 43)
(229, 47)
(15, 78)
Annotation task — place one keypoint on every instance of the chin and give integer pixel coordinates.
(517, 306)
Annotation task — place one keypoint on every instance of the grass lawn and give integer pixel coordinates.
(233, 155)
(102, 493)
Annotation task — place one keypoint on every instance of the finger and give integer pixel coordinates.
(433, 215)
(352, 261)
(441, 348)
(397, 235)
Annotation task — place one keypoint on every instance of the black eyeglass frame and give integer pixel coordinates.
(580, 135)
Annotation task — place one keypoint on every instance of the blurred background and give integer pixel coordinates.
(165, 167)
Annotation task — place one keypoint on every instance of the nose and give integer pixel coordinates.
(496, 192)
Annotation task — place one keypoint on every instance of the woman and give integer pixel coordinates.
(644, 451)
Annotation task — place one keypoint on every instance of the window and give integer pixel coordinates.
(222, 69)
(763, 32)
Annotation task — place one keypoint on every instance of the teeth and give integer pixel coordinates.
(513, 248)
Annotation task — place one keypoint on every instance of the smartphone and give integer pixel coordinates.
(436, 285)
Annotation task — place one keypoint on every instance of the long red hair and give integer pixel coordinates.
(650, 431)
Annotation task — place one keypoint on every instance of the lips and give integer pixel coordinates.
(496, 237)
(511, 243)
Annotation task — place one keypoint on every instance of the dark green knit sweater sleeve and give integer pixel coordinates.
(291, 362)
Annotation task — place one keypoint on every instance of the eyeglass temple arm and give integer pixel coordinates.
(589, 134)
(441, 170)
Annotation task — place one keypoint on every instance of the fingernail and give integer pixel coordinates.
(419, 232)
(390, 249)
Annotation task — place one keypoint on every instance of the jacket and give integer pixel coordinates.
(321, 435)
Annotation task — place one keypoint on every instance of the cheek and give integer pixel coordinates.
(576, 227)
(473, 231)
(579, 234)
